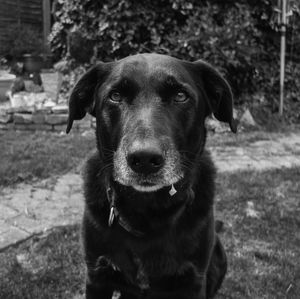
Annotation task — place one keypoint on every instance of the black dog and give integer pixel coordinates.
(148, 226)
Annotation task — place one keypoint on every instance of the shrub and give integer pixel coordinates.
(239, 37)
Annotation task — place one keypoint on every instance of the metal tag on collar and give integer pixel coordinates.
(172, 191)
(111, 199)
(111, 217)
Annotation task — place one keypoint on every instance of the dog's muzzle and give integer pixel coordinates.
(147, 165)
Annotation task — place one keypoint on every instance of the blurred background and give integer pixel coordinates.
(241, 38)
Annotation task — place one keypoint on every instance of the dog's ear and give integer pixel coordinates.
(218, 93)
(82, 99)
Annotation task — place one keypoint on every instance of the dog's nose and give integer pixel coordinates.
(145, 161)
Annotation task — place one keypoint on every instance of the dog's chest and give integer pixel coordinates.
(153, 265)
(157, 257)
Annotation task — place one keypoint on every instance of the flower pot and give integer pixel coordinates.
(6, 80)
(32, 63)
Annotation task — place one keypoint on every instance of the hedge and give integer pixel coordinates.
(239, 37)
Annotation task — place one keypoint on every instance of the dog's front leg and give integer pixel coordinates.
(99, 279)
(188, 283)
(97, 291)
(105, 280)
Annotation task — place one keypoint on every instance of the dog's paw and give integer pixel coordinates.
(116, 295)
(105, 263)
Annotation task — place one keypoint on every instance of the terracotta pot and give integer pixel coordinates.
(32, 63)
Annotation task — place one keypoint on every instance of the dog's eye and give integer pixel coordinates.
(115, 97)
(181, 97)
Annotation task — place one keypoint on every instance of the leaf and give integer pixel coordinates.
(250, 210)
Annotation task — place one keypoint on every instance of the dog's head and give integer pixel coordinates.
(150, 112)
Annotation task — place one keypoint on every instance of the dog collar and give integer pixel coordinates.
(114, 214)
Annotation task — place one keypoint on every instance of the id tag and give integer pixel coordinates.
(172, 191)
(111, 216)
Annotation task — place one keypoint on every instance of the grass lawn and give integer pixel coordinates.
(261, 212)
(26, 156)
(261, 236)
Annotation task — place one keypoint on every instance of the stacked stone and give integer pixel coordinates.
(45, 119)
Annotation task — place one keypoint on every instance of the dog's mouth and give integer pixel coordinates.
(147, 185)
(152, 187)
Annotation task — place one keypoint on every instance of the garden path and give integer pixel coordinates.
(30, 209)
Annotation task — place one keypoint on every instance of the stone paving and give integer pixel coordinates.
(30, 209)
(259, 155)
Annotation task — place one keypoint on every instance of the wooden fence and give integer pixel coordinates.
(35, 13)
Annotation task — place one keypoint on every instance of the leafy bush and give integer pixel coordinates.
(239, 37)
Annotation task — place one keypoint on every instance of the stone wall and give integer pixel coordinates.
(46, 119)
